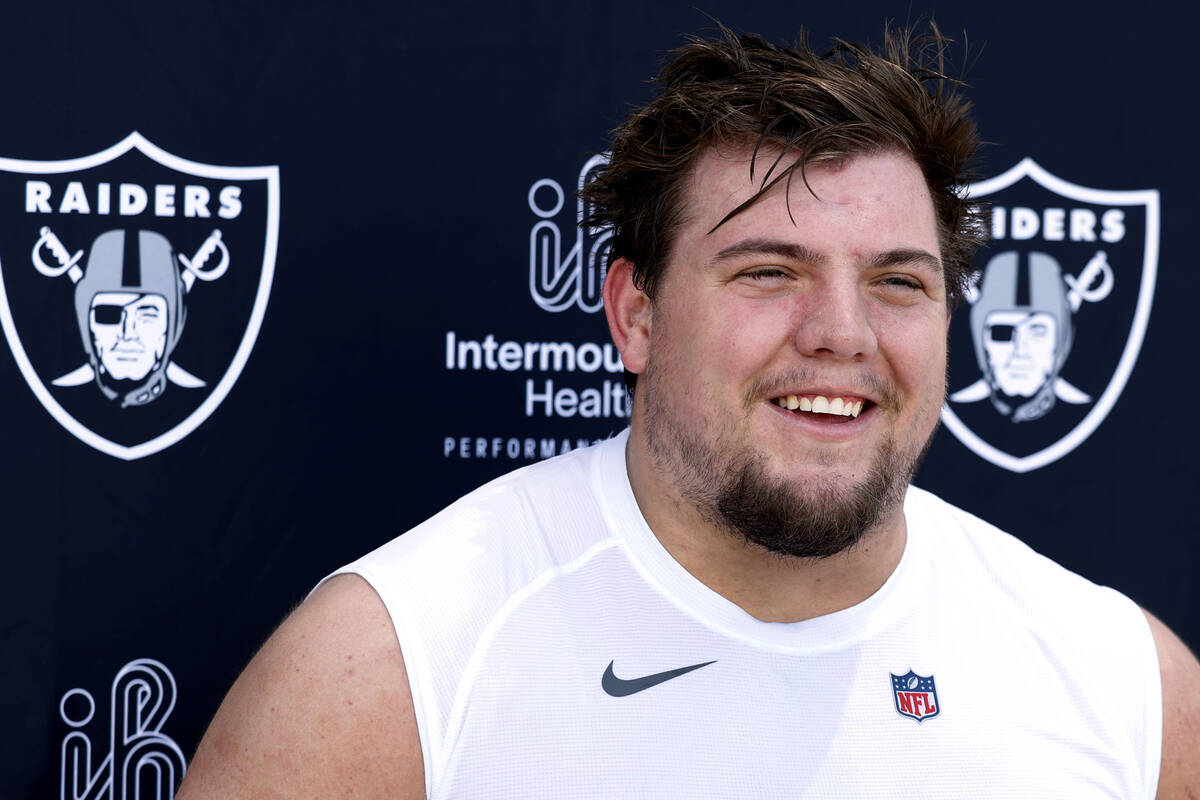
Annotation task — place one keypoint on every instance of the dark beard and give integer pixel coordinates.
(828, 521)
(740, 498)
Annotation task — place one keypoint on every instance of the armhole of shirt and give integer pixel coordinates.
(416, 667)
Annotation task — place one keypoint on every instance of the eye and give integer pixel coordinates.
(902, 282)
(760, 274)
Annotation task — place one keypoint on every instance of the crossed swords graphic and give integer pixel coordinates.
(69, 264)
(1079, 290)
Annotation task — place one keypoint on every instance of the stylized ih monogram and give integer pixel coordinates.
(555, 282)
(141, 762)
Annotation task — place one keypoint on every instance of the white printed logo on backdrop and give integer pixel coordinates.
(556, 373)
(133, 284)
(1055, 318)
(138, 760)
(559, 280)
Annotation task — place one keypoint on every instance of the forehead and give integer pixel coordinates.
(1018, 317)
(125, 298)
(862, 204)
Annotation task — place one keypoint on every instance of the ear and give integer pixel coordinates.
(628, 312)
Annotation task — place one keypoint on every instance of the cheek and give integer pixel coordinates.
(702, 364)
(997, 351)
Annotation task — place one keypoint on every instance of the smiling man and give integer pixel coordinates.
(742, 595)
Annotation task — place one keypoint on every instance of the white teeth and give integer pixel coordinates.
(820, 404)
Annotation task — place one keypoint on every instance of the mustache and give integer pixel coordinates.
(884, 392)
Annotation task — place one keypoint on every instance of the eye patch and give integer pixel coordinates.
(107, 314)
(1000, 333)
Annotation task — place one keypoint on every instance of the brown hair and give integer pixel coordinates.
(742, 90)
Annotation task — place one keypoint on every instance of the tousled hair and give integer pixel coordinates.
(741, 91)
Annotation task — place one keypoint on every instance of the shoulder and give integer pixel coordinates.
(558, 489)
(330, 704)
(1095, 622)
(459, 575)
(1180, 773)
(970, 544)
(495, 538)
(1100, 636)
(322, 710)
(974, 543)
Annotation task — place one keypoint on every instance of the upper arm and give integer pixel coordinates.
(323, 710)
(1180, 775)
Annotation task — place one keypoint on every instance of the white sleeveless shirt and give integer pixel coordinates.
(546, 633)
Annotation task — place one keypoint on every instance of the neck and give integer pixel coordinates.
(769, 586)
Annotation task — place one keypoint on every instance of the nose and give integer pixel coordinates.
(833, 321)
(128, 325)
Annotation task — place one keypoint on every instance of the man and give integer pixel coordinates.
(741, 596)
(129, 331)
(129, 305)
(1022, 348)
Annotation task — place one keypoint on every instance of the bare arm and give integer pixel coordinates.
(323, 710)
(1180, 776)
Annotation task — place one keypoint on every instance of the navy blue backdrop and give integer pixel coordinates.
(377, 319)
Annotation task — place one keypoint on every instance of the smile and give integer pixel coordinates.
(820, 404)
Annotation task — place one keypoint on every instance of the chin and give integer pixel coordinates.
(810, 518)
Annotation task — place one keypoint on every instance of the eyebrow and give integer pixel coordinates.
(807, 255)
(906, 255)
(774, 247)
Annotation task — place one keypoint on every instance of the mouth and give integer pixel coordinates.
(839, 408)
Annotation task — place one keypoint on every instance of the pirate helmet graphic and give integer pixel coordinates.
(130, 311)
(1061, 294)
(96, 319)
(1022, 331)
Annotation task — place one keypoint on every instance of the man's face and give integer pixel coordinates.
(842, 310)
(1021, 349)
(129, 332)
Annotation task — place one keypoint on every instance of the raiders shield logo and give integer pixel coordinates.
(1055, 318)
(132, 287)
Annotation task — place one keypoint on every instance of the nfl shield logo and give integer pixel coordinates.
(1055, 317)
(915, 696)
(133, 284)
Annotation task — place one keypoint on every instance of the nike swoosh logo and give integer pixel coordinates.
(619, 687)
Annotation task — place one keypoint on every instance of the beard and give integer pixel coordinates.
(732, 489)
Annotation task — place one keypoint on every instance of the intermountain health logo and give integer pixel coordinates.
(136, 760)
(558, 279)
(562, 376)
(133, 284)
(1055, 317)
